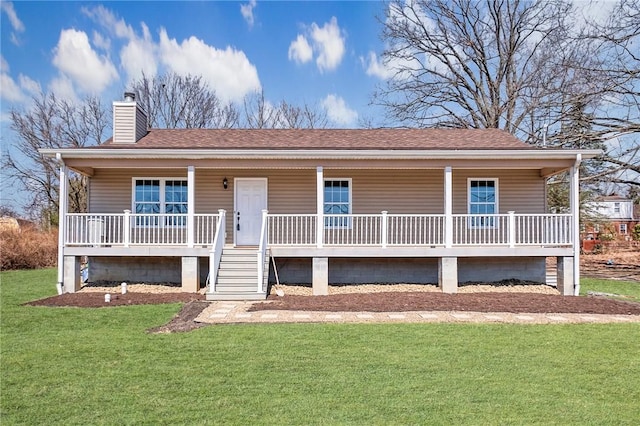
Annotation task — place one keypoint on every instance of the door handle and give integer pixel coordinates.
(238, 221)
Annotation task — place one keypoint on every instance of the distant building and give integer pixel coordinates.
(614, 216)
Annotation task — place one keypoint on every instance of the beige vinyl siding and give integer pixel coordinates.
(418, 191)
(294, 191)
(124, 119)
(396, 191)
(522, 191)
(141, 123)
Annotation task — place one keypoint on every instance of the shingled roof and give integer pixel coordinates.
(329, 139)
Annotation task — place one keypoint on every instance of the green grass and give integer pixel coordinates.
(626, 289)
(98, 366)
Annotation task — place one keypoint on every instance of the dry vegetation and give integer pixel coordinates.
(27, 248)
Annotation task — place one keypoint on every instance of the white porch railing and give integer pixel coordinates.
(262, 252)
(216, 251)
(126, 229)
(385, 230)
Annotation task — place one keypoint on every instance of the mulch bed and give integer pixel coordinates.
(431, 301)
(96, 300)
(374, 302)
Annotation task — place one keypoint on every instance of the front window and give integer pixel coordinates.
(337, 201)
(160, 196)
(623, 228)
(483, 202)
(616, 207)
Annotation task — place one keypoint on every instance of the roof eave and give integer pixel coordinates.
(385, 154)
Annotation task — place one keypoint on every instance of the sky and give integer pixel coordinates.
(321, 53)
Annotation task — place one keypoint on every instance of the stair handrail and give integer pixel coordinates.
(216, 250)
(262, 251)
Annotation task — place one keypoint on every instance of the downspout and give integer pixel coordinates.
(61, 222)
(575, 203)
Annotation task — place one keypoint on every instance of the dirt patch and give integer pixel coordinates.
(96, 300)
(475, 302)
(623, 265)
(184, 320)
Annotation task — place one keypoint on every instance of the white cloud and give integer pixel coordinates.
(338, 111)
(108, 20)
(101, 41)
(10, 90)
(16, 23)
(13, 91)
(227, 71)
(30, 85)
(300, 50)
(594, 10)
(63, 88)
(247, 12)
(4, 65)
(140, 56)
(328, 43)
(376, 68)
(75, 58)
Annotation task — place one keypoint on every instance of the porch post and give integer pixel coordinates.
(62, 222)
(191, 205)
(319, 207)
(127, 228)
(512, 229)
(448, 207)
(384, 229)
(575, 216)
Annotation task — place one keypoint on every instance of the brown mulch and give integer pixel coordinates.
(96, 300)
(475, 302)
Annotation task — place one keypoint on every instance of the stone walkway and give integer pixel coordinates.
(226, 312)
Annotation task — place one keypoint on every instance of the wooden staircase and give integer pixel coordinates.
(238, 276)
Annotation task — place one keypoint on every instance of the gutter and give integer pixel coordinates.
(375, 154)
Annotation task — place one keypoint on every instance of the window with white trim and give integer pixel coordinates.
(483, 202)
(616, 207)
(160, 196)
(623, 229)
(337, 201)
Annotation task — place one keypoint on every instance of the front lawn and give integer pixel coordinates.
(625, 290)
(98, 366)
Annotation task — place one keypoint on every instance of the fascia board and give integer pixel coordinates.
(318, 154)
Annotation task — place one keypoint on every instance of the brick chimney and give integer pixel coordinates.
(129, 120)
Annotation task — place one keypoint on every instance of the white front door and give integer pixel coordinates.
(250, 200)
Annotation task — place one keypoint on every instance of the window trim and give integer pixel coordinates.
(327, 225)
(162, 201)
(626, 228)
(495, 223)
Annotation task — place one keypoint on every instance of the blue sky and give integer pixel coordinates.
(319, 53)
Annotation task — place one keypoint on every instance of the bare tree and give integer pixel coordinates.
(482, 64)
(52, 123)
(259, 113)
(175, 101)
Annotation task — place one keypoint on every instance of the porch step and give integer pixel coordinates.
(238, 275)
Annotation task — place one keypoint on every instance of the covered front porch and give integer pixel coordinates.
(264, 224)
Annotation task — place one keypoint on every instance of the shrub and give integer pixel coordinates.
(636, 232)
(28, 248)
